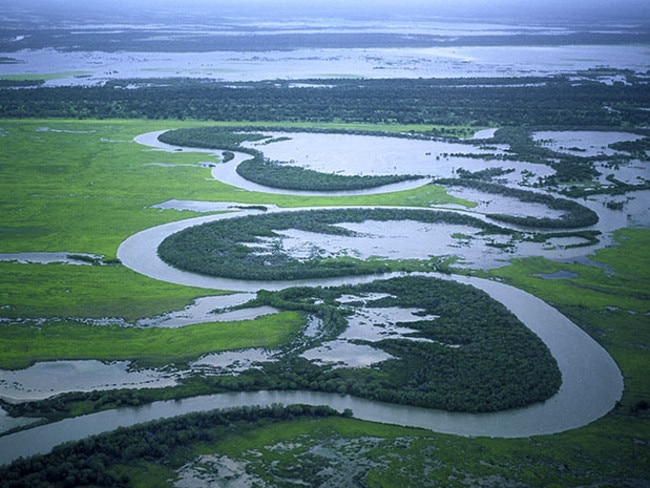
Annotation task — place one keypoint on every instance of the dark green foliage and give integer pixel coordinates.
(277, 175)
(211, 138)
(20, 83)
(475, 357)
(556, 101)
(91, 462)
(638, 148)
(219, 248)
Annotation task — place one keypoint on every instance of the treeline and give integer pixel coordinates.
(98, 460)
(639, 148)
(574, 216)
(214, 138)
(234, 248)
(273, 174)
(557, 101)
(278, 175)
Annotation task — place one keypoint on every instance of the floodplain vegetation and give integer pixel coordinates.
(273, 174)
(230, 248)
(276, 444)
(77, 182)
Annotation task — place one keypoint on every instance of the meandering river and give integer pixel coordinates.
(591, 380)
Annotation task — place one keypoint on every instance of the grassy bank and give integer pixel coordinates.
(25, 344)
(61, 290)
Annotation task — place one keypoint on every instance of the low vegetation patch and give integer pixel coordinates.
(27, 343)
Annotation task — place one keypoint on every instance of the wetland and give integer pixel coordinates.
(454, 264)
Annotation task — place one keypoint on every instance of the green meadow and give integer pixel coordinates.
(27, 343)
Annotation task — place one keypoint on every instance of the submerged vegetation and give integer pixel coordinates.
(574, 214)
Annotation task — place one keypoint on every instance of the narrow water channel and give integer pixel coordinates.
(591, 380)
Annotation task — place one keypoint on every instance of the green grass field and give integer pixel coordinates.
(23, 344)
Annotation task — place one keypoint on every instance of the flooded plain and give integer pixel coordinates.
(346, 154)
(353, 347)
(587, 370)
(92, 67)
(46, 379)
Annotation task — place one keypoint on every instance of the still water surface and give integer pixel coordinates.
(591, 385)
(592, 382)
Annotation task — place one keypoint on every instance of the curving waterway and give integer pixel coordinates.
(591, 381)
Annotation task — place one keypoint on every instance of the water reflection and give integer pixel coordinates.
(46, 379)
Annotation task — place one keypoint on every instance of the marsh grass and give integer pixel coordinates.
(384, 455)
(62, 290)
(611, 302)
(84, 186)
(25, 344)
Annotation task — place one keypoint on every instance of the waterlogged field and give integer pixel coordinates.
(84, 186)
(76, 190)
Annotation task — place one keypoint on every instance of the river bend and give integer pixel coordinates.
(591, 381)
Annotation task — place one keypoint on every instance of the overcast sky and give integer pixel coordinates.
(638, 10)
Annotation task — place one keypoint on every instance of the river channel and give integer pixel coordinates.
(591, 380)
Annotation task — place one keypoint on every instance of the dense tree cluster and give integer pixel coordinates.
(476, 356)
(234, 248)
(559, 101)
(95, 461)
(278, 175)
